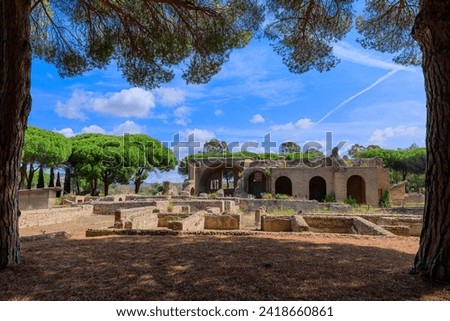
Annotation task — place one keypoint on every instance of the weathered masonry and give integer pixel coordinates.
(363, 179)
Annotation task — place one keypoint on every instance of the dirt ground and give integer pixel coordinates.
(221, 267)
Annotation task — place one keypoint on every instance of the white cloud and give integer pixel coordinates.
(200, 135)
(68, 132)
(73, 108)
(257, 119)
(170, 96)
(346, 51)
(182, 115)
(379, 136)
(93, 129)
(218, 112)
(303, 123)
(191, 141)
(128, 127)
(133, 102)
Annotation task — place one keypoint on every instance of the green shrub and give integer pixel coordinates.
(281, 196)
(330, 198)
(266, 196)
(385, 200)
(351, 201)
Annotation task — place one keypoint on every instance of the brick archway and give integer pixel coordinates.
(356, 188)
(283, 185)
(317, 188)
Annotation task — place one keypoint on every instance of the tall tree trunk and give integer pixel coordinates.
(432, 31)
(138, 180)
(15, 104)
(23, 175)
(30, 176)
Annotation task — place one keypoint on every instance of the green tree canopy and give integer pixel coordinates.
(144, 154)
(146, 38)
(289, 148)
(215, 147)
(42, 148)
(411, 160)
(98, 157)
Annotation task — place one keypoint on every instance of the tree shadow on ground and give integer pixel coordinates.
(212, 268)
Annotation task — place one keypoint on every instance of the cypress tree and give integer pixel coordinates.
(40, 183)
(51, 182)
(58, 184)
(67, 182)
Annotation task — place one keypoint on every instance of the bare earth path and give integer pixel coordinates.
(201, 267)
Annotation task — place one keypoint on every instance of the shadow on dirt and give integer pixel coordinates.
(212, 268)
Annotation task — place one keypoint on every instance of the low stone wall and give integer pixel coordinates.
(222, 222)
(109, 208)
(194, 222)
(164, 218)
(136, 218)
(299, 224)
(250, 205)
(366, 227)
(412, 222)
(37, 198)
(330, 223)
(53, 215)
(273, 223)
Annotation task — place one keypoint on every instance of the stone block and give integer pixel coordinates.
(299, 224)
(222, 222)
(276, 223)
(401, 230)
(194, 222)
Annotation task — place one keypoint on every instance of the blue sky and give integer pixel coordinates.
(366, 99)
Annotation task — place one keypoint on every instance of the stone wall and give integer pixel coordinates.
(41, 217)
(136, 218)
(194, 222)
(299, 224)
(393, 223)
(329, 224)
(366, 227)
(165, 218)
(109, 208)
(38, 198)
(272, 223)
(248, 205)
(222, 222)
(397, 192)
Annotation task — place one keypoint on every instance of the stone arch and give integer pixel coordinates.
(219, 176)
(356, 188)
(283, 185)
(257, 184)
(317, 188)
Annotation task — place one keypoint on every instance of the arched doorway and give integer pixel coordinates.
(356, 188)
(317, 189)
(257, 184)
(283, 185)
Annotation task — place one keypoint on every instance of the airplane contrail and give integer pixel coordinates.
(345, 102)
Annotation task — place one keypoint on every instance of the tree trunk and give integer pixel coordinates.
(23, 175)
(432, 31)
(15, 104)
(30, 176)
(138, 180)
